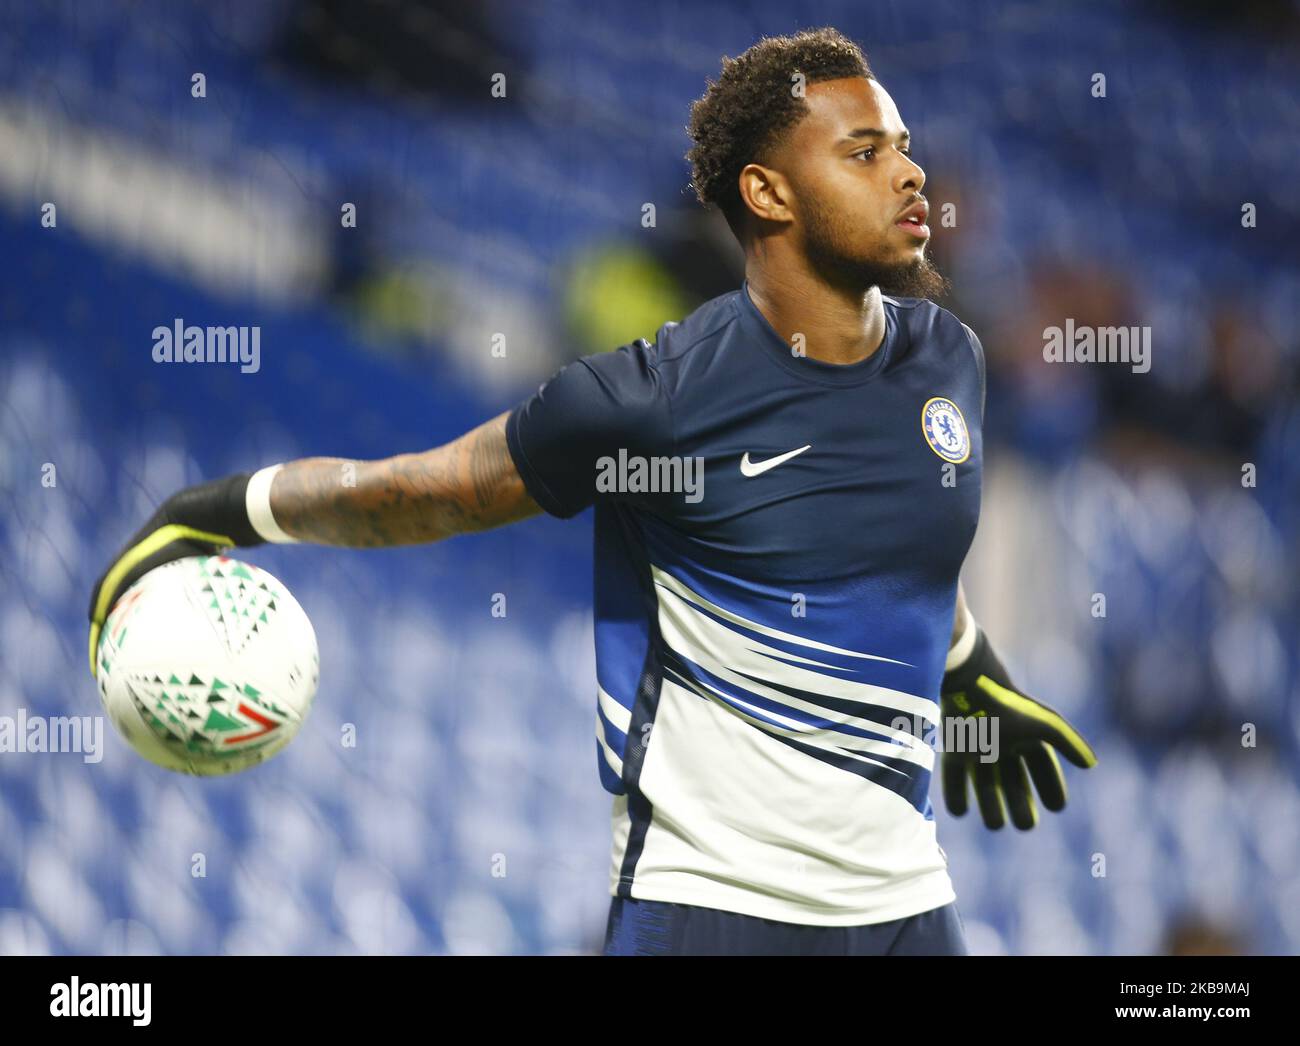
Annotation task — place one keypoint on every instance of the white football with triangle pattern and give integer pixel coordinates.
(208, 665)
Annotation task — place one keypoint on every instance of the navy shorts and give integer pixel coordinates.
(660, 928)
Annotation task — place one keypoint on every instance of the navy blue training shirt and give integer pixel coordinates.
(777, 547)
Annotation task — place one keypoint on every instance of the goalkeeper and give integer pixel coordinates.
(760, 634)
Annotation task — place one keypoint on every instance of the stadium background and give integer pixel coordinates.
(524, 216)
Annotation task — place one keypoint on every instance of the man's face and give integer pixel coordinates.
(857, 191)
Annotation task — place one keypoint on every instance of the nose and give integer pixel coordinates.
(910, 176)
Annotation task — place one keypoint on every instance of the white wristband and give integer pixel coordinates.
(965, 645)
(258, 503)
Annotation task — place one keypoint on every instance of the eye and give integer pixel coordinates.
(866, 154)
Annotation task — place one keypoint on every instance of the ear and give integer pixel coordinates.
(766, 193)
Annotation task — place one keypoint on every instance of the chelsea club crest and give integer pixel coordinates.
(945, 429)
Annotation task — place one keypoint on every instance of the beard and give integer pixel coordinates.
(826, 244)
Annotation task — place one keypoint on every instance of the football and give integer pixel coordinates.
(207, 665)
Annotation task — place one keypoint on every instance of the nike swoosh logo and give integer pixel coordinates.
(757, 468)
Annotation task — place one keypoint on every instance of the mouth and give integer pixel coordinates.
(912, 221)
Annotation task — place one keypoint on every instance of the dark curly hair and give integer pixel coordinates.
(744, 112)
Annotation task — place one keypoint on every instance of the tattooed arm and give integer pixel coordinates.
(467, 485)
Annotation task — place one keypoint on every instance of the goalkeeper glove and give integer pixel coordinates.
(1028, 735)
(198, 521)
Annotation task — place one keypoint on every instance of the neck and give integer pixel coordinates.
(839, 325)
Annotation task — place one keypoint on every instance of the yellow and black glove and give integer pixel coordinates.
(198, 521)
(1028, 736)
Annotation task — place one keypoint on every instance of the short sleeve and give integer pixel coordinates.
(590, 409)
(978, 349)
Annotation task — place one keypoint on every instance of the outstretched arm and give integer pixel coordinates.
(464, 486)
(467, 485)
